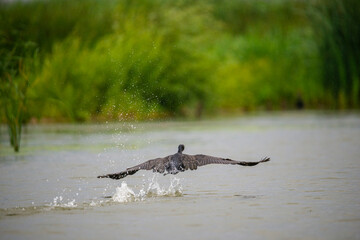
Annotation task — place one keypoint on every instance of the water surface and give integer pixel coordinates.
(309, 190)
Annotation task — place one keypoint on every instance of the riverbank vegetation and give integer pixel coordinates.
(114, 60)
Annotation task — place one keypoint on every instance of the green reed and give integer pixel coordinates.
(13, 89)
(337, 23)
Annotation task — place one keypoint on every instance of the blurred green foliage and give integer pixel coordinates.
(151, 59)
(337, 27)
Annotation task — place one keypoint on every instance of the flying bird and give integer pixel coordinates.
(178, 162)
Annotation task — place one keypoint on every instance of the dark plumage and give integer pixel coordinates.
(178, 162)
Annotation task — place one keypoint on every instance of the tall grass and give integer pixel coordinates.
(337, 23)
(14, 83)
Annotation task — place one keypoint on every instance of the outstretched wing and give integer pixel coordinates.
(157, 165)
(193, 161)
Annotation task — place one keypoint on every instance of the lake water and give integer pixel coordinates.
(309, 190)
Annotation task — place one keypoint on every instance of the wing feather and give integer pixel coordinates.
(193, 161)
(157, 165)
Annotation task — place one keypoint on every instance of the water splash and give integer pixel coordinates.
(58, 202)
(151, 188)
(125, 194)
(154, 189)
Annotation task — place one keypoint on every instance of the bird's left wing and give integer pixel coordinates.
(157, 165)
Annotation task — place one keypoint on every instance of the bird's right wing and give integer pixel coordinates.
(157, 165)
(193, 161)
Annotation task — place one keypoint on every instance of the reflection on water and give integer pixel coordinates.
(309, 190)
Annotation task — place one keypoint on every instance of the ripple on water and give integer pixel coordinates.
(246, 196)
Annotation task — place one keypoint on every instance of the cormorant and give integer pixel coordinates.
(178, 162)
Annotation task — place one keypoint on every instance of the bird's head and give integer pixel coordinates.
(181, 148)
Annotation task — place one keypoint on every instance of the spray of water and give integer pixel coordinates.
(58, 202)
(125, 194)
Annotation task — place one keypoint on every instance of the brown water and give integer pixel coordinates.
(309, 190)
